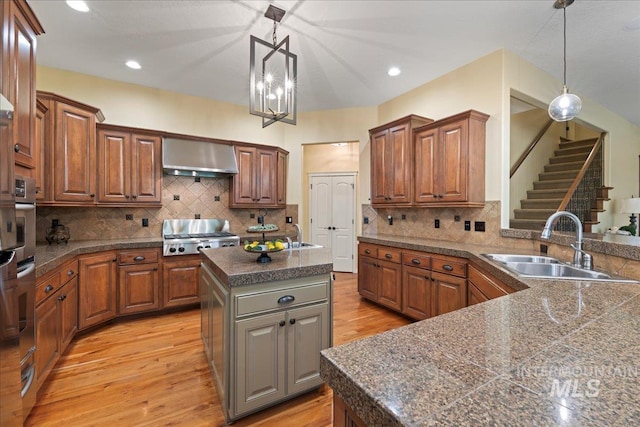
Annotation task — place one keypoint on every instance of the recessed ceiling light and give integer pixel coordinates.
(133, 64)
(394, 71)
(339, 144)
(78, 5)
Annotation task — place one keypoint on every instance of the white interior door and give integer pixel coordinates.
(332, 207)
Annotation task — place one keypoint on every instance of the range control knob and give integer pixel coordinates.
(172, 250)
(208, 246)
(224, 245)
(180, 249)
(199, 247)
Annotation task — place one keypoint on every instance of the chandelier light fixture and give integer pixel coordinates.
(566, 106)
(273, 72)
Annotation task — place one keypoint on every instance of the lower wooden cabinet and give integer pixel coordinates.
(343, 415)
(380, 275)
(367, 277)
(483, 287)
(448, 293)
(97, 288)
(416, 291)
(56, 317)
(390, 284)
(180, 280)
(138, 281)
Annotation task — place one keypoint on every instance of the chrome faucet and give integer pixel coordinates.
(580, 258)
(299, 236)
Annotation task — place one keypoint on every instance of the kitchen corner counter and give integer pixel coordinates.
(49, 257)
(561, 352)
(235, 267)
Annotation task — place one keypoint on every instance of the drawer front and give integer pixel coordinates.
(416, 259)
(68, 271)
(389, 254)
(47, 286)
(449, 265)
(367, 249)
(489, 286)
(138, 256)
(281, 299)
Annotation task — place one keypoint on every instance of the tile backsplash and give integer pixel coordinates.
(208, 198)
(420, 222)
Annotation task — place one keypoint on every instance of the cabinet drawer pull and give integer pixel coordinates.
(48, 289)
(388, 256)
(282, 323)
(367, 251)
(139, 258)
(447, 267)
(16, 148)
(70, 273)
(292, 321)
(415, 261)
(286, 299)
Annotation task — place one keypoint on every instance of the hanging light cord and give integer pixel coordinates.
(564, 11)
(275, 40)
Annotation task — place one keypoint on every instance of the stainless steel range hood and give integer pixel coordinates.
(198, 158)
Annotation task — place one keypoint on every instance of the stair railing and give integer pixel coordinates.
(530, 148)
(582, 192)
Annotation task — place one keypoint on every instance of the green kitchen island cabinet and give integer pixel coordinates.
(264, 324)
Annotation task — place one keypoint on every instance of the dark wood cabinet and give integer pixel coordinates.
(367, 277)
(129, 167)
(391, 161)
(474, 295)
(138, 281)
(97, 288)
(380, 275)
(448, 293)
(19, 30)
(261, 180)
(483, 286)
(56, 316)
(449, 161)
(416, 288)
(180, 281)
(69, 159)
(42, 123)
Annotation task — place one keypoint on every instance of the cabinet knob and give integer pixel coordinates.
(447, 267)
(126, 196)
(70, 273)
(333, 228)
(114, 260)
(134, 197)
(92, 195)
(367, 251)
(388, 256)
(16, 148)
(282, 323)
(48, 289)
(292, 321)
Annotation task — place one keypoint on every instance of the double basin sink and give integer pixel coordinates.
(550, 268)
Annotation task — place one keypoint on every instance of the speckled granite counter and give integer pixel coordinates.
(558, 353)
(235, 267)
(49, 257)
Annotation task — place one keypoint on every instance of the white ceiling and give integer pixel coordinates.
(344, 47)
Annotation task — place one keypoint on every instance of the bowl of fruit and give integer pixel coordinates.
(264, 248)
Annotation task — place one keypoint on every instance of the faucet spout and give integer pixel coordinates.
(548, 228)
(299, 231)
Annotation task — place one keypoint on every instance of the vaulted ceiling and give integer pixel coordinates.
(344, 47)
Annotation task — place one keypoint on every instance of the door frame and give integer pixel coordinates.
(354, 260)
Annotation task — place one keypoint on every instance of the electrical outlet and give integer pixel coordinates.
(176, 197)
(260, 219)
(145, 222)
(197, 216)
(543, 249)
(252, 215)
(479, 225)
(403, 216)
(436, 223)
(289, 220)
(216, 198)
(456, 218)
(467, 226)
(128, 217)
(366, 220)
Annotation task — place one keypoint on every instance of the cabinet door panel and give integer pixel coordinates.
(474, 295)
(180, 282)
(306, 336)
(282, 178)
(425, 155)
(449, 293)
(97, 289)
(367, 278)
(260, 351)
(69, 313)
(138, 288)
(47, 331)
(74, 154)
(390, 284)
(416, 286)
(244, 182)
(266, 182)
(113, 166)
(146, 169)
(452, 177)
(378, 178)
(399, 164)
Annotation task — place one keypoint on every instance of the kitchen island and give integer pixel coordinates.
(264, 324)
(557, 352)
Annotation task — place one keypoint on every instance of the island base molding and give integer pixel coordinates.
(343, 416)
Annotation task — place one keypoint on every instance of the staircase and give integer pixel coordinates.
(552, 186)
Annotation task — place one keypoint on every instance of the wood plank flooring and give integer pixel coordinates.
(152, 372)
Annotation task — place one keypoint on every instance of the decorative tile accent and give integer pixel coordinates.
(94, 223)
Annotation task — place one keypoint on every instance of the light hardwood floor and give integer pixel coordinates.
(152, 372)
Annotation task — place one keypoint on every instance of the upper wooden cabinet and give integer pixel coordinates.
(449, 161)
(261, 178)
(391, 161)
(18, 56)
(129, 167)
(70, 150)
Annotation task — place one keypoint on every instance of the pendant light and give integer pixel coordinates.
(566, 106)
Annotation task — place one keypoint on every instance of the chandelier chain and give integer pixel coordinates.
(564, 10)
(275, 40)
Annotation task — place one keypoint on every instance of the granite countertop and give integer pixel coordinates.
(558, 352)
(235, 267)
(49, 257)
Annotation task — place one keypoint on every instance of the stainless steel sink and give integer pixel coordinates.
(523, 258)
(551, 268)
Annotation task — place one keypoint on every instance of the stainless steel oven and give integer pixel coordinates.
(25, 205)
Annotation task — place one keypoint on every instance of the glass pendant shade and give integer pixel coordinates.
(565, 107)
